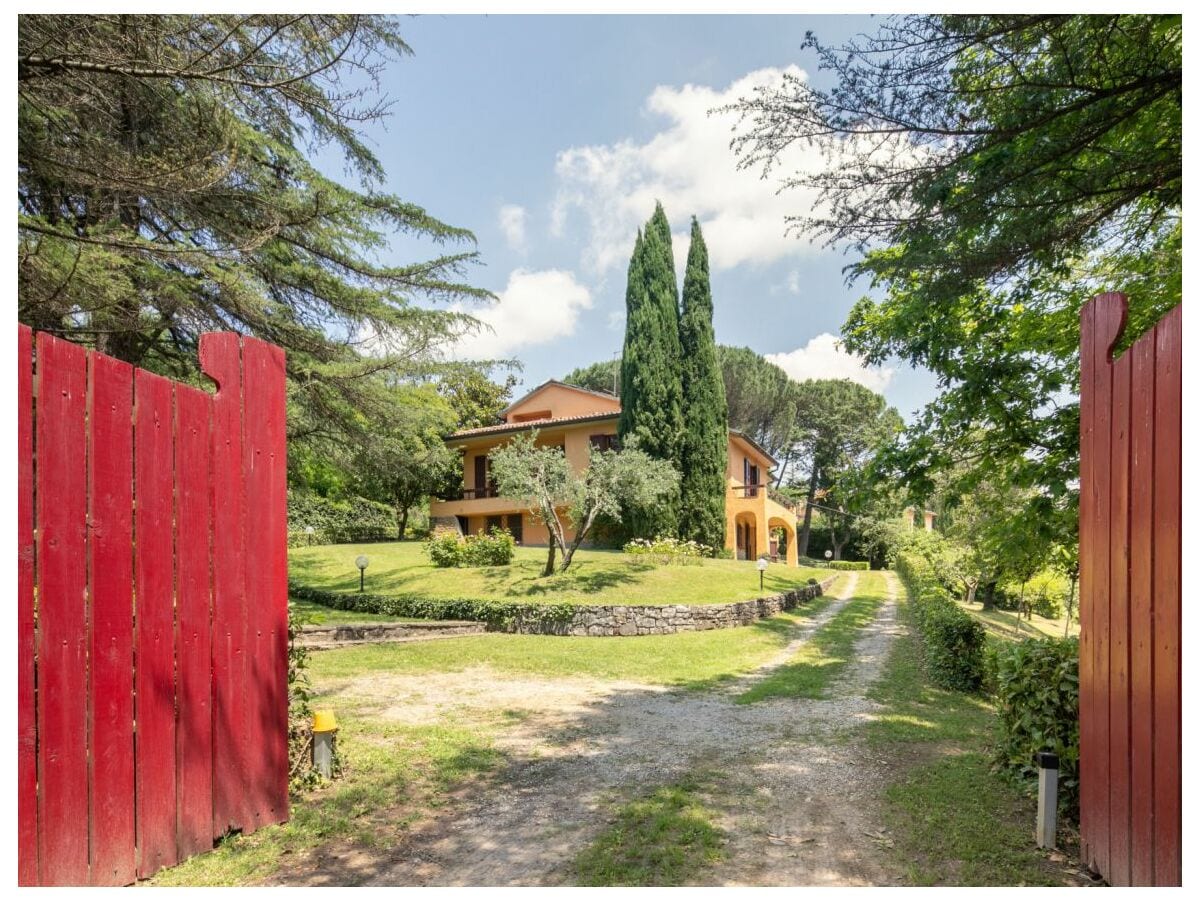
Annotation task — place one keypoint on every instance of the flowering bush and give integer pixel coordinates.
(666, 551)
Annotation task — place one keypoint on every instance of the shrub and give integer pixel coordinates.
(953, 643)
(668, 551)
(952, 640)
(849, 565)
(445, 550)
(348, 521)
(1036, 685)
(496, 548)
(495, 613)
(723, 553)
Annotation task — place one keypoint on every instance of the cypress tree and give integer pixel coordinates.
(652, 393)
(703, 456)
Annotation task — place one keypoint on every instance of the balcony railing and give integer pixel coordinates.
(470, 494)
(748, 490)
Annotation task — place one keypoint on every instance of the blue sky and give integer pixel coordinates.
(550, 137)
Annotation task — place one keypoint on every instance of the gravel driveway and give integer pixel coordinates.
(798, 804)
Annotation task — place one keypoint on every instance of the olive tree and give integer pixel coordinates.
(614, 481)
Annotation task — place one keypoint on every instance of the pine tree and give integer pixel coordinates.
(703, 456)
(652, 393)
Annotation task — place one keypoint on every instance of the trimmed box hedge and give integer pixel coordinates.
(952, 640)
(495, 613)
(849, 565)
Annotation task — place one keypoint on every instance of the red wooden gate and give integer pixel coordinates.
(1129, 590)
(152, 594)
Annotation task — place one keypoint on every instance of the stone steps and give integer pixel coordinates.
(327, 637)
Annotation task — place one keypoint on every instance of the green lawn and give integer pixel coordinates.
(815, 665)
(595, 576)
(1008, 626)
(693, 658)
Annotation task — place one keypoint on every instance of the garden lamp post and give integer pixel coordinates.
(762, 567)
(361, 562)
(828, 555)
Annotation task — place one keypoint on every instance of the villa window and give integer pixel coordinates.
(606, 442)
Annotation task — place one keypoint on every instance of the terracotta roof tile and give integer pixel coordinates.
(536, 423)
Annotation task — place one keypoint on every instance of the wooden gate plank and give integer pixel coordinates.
(62, 614)
(266, 581)
(27, 833)
(110, 568)
(1087, 477)
(1118, 657)
(1141, 611)
(220, 360)
(193, 540)
(155, 624)
(1167, 513)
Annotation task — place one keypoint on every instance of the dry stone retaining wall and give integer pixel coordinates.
(597, 621)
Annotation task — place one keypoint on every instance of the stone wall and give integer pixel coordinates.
(597, 621)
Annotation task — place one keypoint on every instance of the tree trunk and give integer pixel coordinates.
(549, 570)
(989, 595)
(806, 528)
(402, 522)
(972, 587)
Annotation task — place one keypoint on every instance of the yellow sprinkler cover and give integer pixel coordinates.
(324, 720)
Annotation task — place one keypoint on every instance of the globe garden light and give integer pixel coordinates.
(762, 567)
(829, 554)
(362, 562)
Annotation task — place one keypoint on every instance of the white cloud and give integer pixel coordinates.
(513, 220)
(689, 166)
(535, 307)
(790, 284)
(823, 357)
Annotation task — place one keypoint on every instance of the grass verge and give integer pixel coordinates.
(953, 819)
(596, 577)
(664, 839)
(827, 653)
(393, 775)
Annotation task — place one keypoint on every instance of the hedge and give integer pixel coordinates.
(952, 640)
(849, 565)
(497, 614)
(1036, 686)
(349, 521)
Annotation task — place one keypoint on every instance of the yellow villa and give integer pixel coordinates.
(756, 523)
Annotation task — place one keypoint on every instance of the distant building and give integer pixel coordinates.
(910, 516)
(756, 523)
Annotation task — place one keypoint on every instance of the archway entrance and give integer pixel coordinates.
(783, 541)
